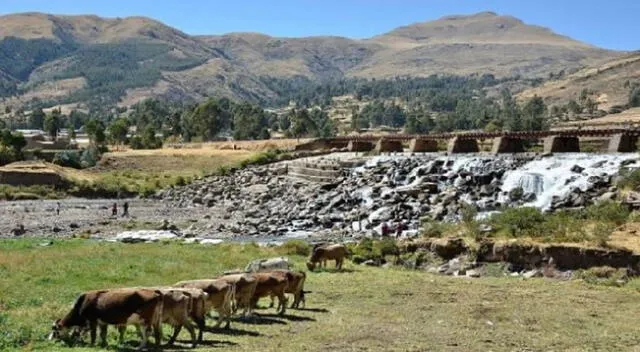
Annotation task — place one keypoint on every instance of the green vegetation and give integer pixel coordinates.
(594, 223)
(30, 192)
(11, 145)
(362, 308)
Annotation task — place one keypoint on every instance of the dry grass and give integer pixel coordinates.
(179, 161)
(361, 309)
(606, 80)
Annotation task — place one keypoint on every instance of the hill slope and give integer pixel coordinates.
(123, 60)
(609, 83)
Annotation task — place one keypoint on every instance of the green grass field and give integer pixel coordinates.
(360, 309)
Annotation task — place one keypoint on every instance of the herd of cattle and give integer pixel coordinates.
(187, 303)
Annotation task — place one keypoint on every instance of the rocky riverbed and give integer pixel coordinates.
(267, 203)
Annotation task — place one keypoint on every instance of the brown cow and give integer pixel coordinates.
(197, 310)
(320, 255)
(271, 285)
(220, 294)
(245, 287)
(295, 286)
(140, 307)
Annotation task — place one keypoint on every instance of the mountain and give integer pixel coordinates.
(123, 60)
(609, 84)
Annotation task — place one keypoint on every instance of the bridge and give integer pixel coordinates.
(621, 140)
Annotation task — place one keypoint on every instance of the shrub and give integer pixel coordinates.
(261, 158)
(431, 228)
(518, 222)
(295, 247)
(605, 275)
(608, 211)
(602, 233)
(629, 179)
(68, 158)
(180, 181)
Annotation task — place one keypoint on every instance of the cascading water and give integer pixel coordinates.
(557, 175)
(546, 178)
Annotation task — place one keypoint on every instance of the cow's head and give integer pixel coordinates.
(311, 266)
(58, 330)
(61, 332)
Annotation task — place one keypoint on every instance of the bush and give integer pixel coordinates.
(261, 158)
(68, 158)
(608, 211)
(431, 228)
(604, 275)
(295, 247)
(630, 180)
(602, 233)
(519, 222)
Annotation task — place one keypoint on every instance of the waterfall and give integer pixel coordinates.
(557, 175)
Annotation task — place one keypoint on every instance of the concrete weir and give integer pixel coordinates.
(458, 145)
(561, 144)
(507, 145)
(423, 145)
(623, 143)
(359, 146)
(388, 146)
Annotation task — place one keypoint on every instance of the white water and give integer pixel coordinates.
(545, 177)
(552, 176)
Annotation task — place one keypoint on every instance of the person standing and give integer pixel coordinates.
(58, 208)
(125, 209)
(114, 209)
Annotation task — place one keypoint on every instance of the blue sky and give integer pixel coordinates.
(611, 24)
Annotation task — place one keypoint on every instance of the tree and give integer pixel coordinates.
(118, 130)
(95, 131)
(590, 105)
(634, 98)
(53, 123)
(534, 114)
(574, 107)
(36, 120)
(149, 139)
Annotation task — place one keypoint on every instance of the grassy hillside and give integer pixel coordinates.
(609, 84)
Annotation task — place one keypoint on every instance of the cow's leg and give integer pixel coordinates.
(272, 299)
(296, 300)
(121, 330)
(189, 327)
(92, 332)
(176, 332)
(282, 303)
(144, 336)
(200, 321)
(157, 332)
(103, 334)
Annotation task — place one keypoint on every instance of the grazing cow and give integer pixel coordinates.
(93, 309)
(197, 309)
(321, 254)
(220, 294)
(268, 265)
(176, 307)
(271, 285)
(245, 287)
(295, 286)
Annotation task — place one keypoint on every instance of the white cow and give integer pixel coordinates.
(268, 265)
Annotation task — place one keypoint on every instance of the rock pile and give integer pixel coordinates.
(266, 201)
